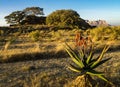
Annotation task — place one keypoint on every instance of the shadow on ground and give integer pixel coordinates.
(46, 55)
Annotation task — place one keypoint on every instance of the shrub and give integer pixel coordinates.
(34, 35)
(1, 32)
(105, 33)
(66, 18)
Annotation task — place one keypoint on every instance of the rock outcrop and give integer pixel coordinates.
(97, 23)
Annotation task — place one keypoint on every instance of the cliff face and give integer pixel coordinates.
(97, 23)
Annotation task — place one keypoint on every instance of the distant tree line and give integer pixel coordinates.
(34, 15)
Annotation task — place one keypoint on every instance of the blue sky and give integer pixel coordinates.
(108, 10)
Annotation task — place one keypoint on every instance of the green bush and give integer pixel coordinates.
(1, 32)
(65, 18)
(34, 35)
(105, 33)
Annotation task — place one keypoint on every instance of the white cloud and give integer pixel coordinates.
(2, 20)
(3, 23)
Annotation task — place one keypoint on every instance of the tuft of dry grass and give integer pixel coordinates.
(28, 68)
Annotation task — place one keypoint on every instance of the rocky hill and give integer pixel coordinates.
(97, 23)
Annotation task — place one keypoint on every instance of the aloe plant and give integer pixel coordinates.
(85, 63)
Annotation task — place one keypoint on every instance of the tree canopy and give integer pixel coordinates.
(32, 19)
(17, 17)
(63, 18)
(66, 18)
(33, 11)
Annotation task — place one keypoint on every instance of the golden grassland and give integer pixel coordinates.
(38, 58)
(41, 41)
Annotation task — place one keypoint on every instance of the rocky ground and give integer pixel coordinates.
(52, 72)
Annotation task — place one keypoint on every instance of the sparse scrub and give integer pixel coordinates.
(31, 57)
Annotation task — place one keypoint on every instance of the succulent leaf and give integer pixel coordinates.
(100, 56)
(103, 52)
(103, 78)
(100, 63)
(74, 57)
(89, 57)
(74, 68)
(95, 73)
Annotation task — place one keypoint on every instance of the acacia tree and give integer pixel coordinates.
(17, 17)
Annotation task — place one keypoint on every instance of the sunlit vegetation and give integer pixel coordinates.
(32, 52)
(38, 42)
(66, 18)
(27, 39)
(106, 33)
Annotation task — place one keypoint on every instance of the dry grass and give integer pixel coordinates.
(44, 63)
(22, 46)
(52, 72)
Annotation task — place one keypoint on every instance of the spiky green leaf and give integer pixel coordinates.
(103, 52)
(81, 53)
(91, 54)
(74, 57)
(103, 78)
(100, 63)
(92, 61)
(79, 63)
(74, 68)
(100, 56)
(89, 57)
(93, 72)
